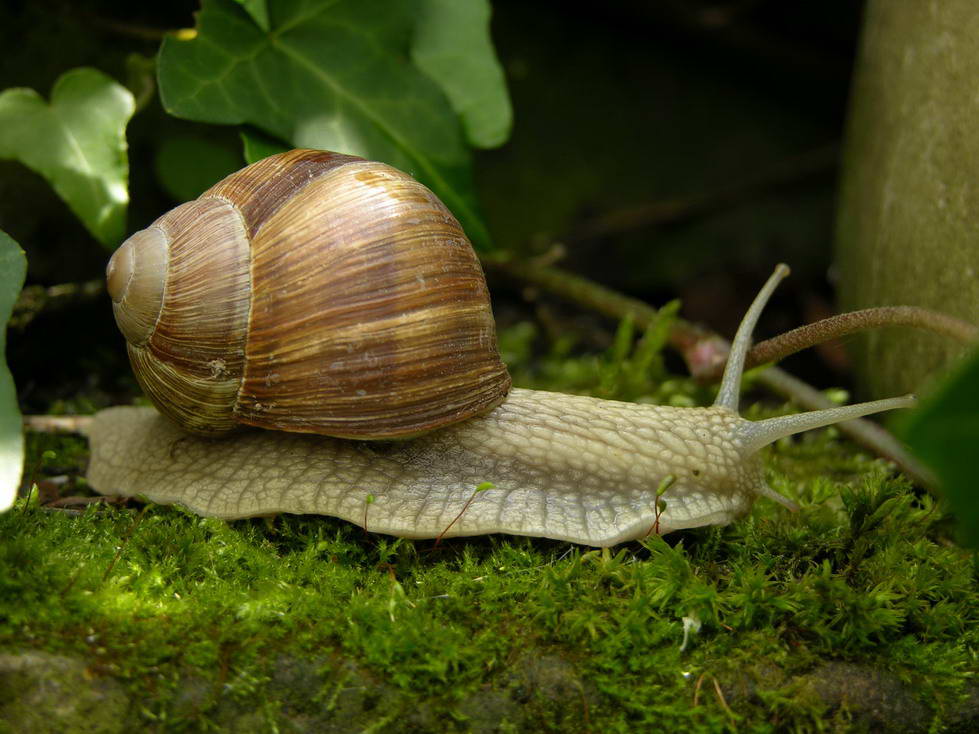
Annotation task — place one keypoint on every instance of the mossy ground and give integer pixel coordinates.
(267, 625)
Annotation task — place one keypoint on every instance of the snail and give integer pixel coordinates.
(462, 453)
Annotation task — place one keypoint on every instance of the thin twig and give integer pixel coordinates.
(723, 701)
(670, 211)
(68, 502)
(128, 30)
(58, 423)
(868, 434)
(687, 338)
(595, 297)
(35, 299)
(696, 689)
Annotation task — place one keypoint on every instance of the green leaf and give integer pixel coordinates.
(141, 79)
(186, 165)
(258, 10)
(452, 45)
(942, 432)
(329, 75)
(258, 146)
(13, 267)
(77, 142)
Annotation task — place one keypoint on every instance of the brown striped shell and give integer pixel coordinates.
(312, 292)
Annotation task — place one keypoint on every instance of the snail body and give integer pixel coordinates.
(557, 470)
(531, 463)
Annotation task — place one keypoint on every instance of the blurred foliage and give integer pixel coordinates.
(78, 143)
(452, 45)
(408, 83)
(211, 163)
(943, 433)
(627, 105)
(332, 75)
(630, 369)
(644, 136)
(13, 266)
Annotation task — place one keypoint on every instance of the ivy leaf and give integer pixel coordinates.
(13, 267)
(258, 146)
(186, 165)
(77, 142)
(258, 10)
(452, 45)
(329, 74)
(942, 433)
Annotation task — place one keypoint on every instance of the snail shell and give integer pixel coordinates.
(312, 292)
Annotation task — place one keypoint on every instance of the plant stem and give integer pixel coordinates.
(58, 423)
(35, 299)
(669, 211)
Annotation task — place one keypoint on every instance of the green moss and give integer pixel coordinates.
(854, 613)
(178, 607)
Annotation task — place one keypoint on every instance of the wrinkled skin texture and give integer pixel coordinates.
(566, 467)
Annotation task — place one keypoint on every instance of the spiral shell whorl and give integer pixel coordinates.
(190, 363)
(135, 278)
(314, 292)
